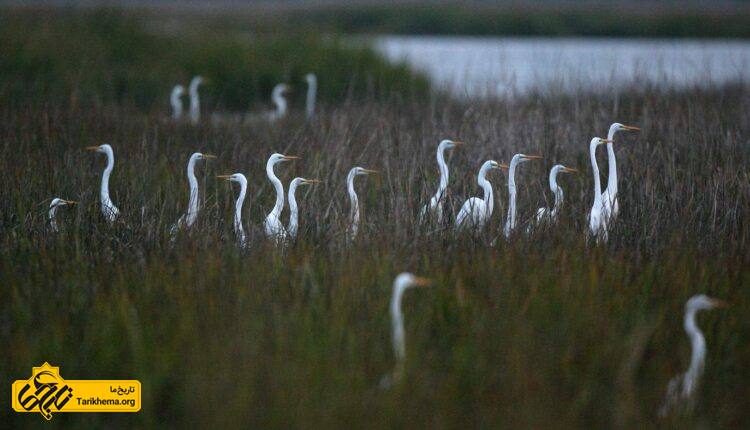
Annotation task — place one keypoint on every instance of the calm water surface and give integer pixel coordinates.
(507, 66)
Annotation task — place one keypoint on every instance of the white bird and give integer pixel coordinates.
(195, 102)
(476, 212)
(109, 210)
(609, 196)
(510, 222)
(597, 220)
(188, 218)
(403, 282)
(293, 211)
(273, 227)
(238, 228)
(312, 90)
(176, 100)
(278, 96)
(56, 203)
(682, 388)
(435, 208)
(547, 216)
(353, 228)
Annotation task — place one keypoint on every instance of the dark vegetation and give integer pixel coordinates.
(544, 331)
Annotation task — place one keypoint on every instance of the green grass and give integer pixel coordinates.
(100, 56)
(545, 331)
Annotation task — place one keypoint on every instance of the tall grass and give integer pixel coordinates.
(541, 331)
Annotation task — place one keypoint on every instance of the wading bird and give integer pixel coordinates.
(609, 197)
(435, 208)
(312, 91)
(547, 216)
(510, 222)
(278, 96)
(195, 101)
(682, 388)
(353, 228)
(597, 220)
(238, 229)
(273, 227)
(402, 283)
(109, 210)
(188, 218)
(176, 100)
(476, 212)
(293, 211)
(56, 203)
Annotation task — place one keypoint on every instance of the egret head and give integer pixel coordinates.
(598, 141)
(236, 177)
(622, 127)
(104, 149)
(279, 158)
(196, 81)
(303, 181)
(178, 90)
(362, 171)
(522, 158)
(310, 78)
(702, 302)
(449, 144)
(281, 90)
(559, 168)
(202, 156)
(409, 280)
(57, 202)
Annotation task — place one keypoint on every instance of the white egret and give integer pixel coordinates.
(597, 220)
(195, 102)
(312, 91)
(510, 222)
(476, 212)
(56, 203)
(682, 388)
(273, 227)
(109, 210)
(435, 207)
(353, 228)
(239, 230)
(293, 211)
(176, 100)
(547, 216)
(610, 204)
(278, 96)
(403, 282)
(188, 218)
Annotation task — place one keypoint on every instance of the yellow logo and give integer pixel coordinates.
(47, 392)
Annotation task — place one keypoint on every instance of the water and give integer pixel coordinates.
(508, 66)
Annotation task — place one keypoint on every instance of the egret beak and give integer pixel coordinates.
(532, 157)
(208, 156)
(91, 148)
(503, 166)
(458, 142)
(718, 303)
(312, 181)
(225, 177)
(70, 202)
(422, 282)
(290, 158)
(370, 172)
(569, 170)
(607, 141)
(631, 128)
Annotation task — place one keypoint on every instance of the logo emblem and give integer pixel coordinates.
(46, 392)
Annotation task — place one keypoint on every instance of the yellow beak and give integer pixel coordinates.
(70, 202)
(458, 142)
(91, 148)
(225, 177)
(313, 181)
(504, 166)
(631, 128)
(532, 157)
(209, 156)
(422, 282)
(569, 170)
(291, 157)
(369, 171)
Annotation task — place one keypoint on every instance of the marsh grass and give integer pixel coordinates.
(541, 331)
